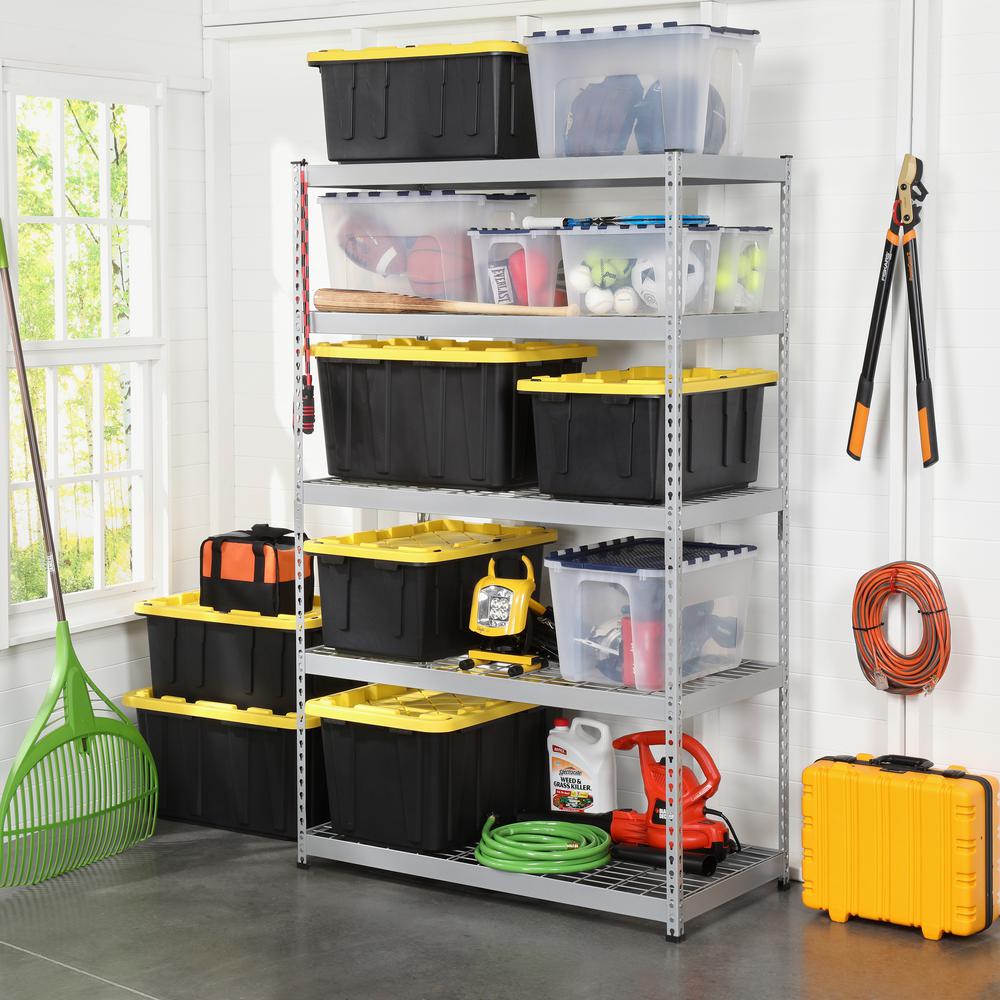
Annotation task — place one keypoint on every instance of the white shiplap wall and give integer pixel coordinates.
(162, 40)
(965, 518)
(827, 90)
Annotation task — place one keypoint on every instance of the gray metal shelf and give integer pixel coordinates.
(558, 172)
(577, 328)
(547, 687)
(660, 894)
(530, 505)
(625, 888)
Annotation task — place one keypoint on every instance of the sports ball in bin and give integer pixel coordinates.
(438, 263)
(410, 242)
(622, 268)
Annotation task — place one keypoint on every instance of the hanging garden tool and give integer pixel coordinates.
(83, 786)
(906, 207)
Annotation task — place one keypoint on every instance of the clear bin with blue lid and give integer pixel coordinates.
(608, 603)
(641, 89)
(742, 270)
(620, 270)
(411, 242)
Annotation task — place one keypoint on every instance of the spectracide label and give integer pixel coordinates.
(572, 787)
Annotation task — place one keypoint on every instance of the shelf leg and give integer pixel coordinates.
(300, 257)
(785, 229)
(673, 542)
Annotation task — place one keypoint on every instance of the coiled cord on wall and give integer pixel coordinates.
(884, 665)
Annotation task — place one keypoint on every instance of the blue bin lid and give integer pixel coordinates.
(628, 555)
(661, 27)
(417, 195)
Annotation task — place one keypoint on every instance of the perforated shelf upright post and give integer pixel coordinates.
(661, 894)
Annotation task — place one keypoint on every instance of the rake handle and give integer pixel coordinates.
(32, 433)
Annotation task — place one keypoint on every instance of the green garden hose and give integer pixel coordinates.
(543, 847)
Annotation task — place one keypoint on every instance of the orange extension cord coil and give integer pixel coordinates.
(884, 665)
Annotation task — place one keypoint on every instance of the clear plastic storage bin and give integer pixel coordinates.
(518, 266)
(621, 270)
(410, 242)
(643, 89)
(608, 605)
(739, 279)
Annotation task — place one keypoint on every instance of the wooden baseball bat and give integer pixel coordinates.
(351, 301)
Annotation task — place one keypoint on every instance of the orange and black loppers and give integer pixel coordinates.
(253, 571)
(906, 206)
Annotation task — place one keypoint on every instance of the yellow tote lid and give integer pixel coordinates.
(648, 381)
(407, 708)
(414, 51)
(431, 541)
(218, 711)
(186, 606)
(477, 351)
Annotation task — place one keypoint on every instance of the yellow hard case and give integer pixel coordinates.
(895, 839)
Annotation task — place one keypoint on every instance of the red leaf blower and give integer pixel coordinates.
(649, 828)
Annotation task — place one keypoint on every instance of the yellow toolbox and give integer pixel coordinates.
(895, 839)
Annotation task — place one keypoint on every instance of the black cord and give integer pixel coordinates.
(722, 815)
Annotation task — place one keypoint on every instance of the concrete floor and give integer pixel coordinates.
(199, 914)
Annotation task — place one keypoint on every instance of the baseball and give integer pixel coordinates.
(599, 301)
(626, 301)
(579, 279)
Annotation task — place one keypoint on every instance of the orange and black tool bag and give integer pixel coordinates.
(252, 571)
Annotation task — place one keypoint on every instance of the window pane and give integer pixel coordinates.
(76, 420)
(20, 460)
(83, 280)
(117, 418)
(28, 573)
(120, 282)
(120, 496)
(82, 129)
(36, 281)
(76, 537)
(37, 121)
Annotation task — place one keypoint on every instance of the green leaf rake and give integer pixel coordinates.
(83, 786)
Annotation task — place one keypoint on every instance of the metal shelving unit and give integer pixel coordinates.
(662, 894)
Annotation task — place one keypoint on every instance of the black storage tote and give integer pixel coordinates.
(599, 435)
(252, 570)
(406, 592)
(427, 102)
(435, 412)
(238, 657)
(423, 770)
(229, 767)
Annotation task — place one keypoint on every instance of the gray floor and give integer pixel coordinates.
(207, 915)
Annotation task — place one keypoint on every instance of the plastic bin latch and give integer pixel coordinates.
(622, 419)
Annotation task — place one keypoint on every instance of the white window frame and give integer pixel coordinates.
(32, 620)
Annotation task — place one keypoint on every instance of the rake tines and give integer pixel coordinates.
(85, 799)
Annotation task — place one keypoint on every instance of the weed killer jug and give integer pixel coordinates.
(581, 766)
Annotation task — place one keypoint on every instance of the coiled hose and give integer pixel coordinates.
(884, 665)
(543, 847)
